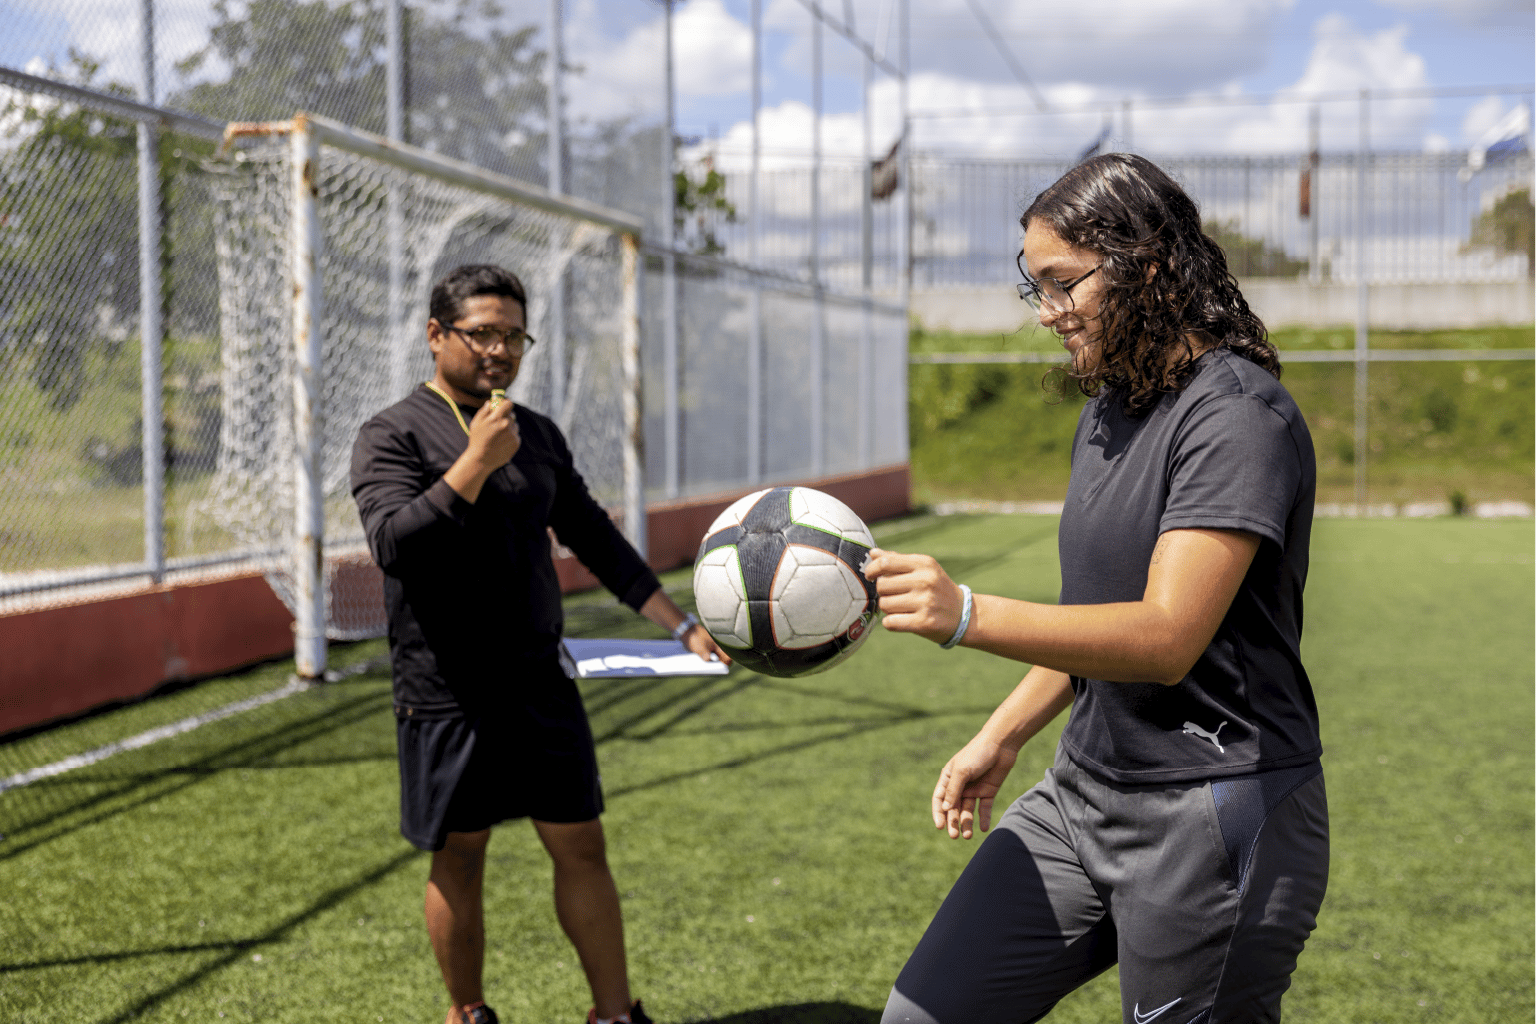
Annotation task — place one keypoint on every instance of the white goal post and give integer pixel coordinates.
(329, 239)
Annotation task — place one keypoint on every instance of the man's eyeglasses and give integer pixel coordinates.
(482, 340)
(1049, 290)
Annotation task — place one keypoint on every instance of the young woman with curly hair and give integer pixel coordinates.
(1182, 832)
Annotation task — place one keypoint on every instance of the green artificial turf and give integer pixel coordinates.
(770, 837)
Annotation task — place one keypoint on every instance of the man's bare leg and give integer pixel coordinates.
(587, 904)
(455, 916)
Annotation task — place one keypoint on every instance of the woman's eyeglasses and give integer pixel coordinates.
(1049, 290)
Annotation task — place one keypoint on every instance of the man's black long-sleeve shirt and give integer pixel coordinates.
(471, 589)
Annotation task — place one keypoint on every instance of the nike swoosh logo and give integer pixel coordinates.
(1143, 1018)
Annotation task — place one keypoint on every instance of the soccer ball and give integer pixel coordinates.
(778, 583)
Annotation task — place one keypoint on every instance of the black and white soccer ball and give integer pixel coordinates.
(778, 584)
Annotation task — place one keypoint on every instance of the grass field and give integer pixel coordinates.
(1434, 429)
(71, 492)
(769, 837)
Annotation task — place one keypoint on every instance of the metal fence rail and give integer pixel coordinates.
(1419, 216)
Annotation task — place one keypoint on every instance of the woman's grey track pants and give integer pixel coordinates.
(1203, 893)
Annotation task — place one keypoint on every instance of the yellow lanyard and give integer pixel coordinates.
(452, 405)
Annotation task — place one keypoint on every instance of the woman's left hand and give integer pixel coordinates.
(916, 594)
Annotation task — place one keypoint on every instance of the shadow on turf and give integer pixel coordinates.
(617, 709)
(687, 698)
(140, 787)
(803, 1013)
(233, 950)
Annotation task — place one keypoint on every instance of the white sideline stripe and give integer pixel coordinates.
(144, 739)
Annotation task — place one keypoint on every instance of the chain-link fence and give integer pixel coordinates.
(776, 382)
(73, 208)
(755, 373)
(773, 330)
(1425, 219)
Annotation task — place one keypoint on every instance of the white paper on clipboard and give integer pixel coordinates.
(612, 659)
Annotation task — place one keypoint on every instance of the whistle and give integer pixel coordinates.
(498, 395)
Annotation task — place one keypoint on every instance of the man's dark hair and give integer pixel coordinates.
(473, 279)
(1165, 278)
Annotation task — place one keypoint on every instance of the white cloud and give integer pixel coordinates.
(712, 56)
(1151, 46)
(714, 50)
(1343, 59)
(1481, 116)
(14, 128)
(1477, 12)
(110, 31)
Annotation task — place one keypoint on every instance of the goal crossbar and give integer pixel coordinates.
(411, 158)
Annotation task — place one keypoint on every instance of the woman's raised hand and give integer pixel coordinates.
(916, 594)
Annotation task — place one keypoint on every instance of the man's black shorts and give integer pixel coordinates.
(467, 772)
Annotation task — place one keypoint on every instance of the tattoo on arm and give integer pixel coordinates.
(1157, 552)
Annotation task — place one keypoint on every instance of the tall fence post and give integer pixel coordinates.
(1362, 304)
(151, 329)
(671, 458)
(904, 228)
(634, 422)
(555, 159)
(308, 433)
(394, 219)
(1314, 194)
(818, 310)
(755, 375)
(867, 279)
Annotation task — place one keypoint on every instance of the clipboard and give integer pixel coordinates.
(588, 658)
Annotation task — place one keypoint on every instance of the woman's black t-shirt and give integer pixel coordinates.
(1229, 452)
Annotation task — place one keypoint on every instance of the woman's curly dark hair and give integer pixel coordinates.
(1165, 278)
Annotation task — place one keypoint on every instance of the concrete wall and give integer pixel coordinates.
(59, 661)
(1395, 307)
(1279, 303)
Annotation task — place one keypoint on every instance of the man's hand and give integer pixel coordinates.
(968, 785)
(493, 440)
(663, 611)
(493, 436)
(916, 594)
(701, 643)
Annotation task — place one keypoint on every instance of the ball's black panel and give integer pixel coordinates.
(726, 536)
(765, 531)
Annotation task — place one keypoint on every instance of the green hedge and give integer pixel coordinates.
(1435, 430)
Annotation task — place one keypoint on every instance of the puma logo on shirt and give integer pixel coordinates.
(1194, 730)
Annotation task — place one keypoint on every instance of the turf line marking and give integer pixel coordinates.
(144, 739)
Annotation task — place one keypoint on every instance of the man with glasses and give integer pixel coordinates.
(458, 489)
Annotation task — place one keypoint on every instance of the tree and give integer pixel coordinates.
(1251, 257)
(1508, 227)
(700, 207)
(473, 91)
(69, 258)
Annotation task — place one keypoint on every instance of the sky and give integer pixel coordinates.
(1211, 55)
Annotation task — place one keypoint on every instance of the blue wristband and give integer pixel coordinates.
(965, 619)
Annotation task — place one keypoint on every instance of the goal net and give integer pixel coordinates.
(328, 242)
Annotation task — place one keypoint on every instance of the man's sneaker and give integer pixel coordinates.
(636, 1015)
(481, 1014)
